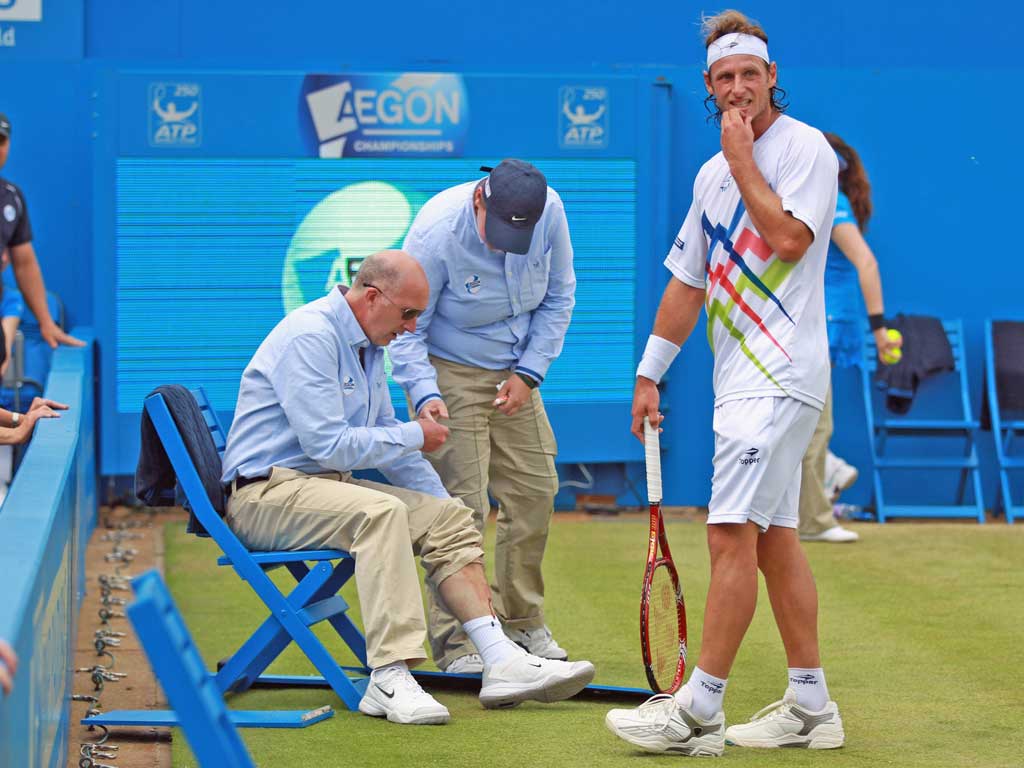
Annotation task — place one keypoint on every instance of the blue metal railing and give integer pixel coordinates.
(45, 523)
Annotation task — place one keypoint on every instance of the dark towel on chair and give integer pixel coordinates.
(926, 352)
(1008, 354)
(154, 476)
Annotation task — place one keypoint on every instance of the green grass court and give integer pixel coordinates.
(921, 628)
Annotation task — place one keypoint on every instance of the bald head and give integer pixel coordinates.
(389, 293)
(391, 272)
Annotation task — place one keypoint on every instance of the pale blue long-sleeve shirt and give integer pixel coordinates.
(307, 403)
(487, 309)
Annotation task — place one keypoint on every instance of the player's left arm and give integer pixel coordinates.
(33, 289)
(550, 320)
(789, 232)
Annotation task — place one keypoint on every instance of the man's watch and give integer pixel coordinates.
(528, 380)
(15, 418)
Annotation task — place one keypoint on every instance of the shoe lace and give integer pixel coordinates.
(772, 712)
(661, 706)
(400, 677)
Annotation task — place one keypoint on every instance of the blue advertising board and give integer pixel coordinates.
(225, 200)
(41, 29)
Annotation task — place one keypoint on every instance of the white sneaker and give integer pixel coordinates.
(470, 664)
(525, 677)
(663, 724)
(539, 642)
(784, 724)
(395, 694)
(838, 475)
(834, 535)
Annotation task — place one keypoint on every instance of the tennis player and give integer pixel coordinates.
(752, 251)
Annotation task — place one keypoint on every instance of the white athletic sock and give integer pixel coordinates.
(707, 691)
(809, 687)
(378, 671)
(490, 640)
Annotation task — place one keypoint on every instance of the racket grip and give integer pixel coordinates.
(652, 459)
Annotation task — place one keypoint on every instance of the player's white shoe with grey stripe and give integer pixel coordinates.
(664, 724)
(785, 724)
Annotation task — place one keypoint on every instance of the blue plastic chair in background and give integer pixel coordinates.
(939, 439)
(314, 599)
(1004, 431)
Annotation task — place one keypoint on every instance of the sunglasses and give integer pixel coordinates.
(408, 313)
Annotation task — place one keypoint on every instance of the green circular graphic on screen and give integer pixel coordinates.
(337, 234)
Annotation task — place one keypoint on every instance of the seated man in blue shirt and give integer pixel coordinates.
(500, 264)
(313, 406)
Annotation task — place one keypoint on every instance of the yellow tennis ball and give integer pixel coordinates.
(894, 356)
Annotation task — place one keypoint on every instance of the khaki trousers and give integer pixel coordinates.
(815, 502)
(381, 526)
(513, 457)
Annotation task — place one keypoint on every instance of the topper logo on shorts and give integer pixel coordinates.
(420, 114)
(750, 457)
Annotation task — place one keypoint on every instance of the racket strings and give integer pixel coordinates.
(663, 628)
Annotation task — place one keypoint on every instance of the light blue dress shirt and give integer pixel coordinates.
(306, 403)
(487, 309)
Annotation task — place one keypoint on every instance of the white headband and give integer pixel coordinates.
(735, 44)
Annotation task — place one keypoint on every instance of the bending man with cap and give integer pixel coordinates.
(752, 251)
(498, 257)
(313, 406)
(16, 237)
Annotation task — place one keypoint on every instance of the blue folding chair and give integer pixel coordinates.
(314, 599)
(198, 707)
(950, 436)
(1004, 432)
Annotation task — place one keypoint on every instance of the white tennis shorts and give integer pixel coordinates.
(759, 444)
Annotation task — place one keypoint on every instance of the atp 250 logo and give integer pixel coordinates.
(175, 115)
(385, 115)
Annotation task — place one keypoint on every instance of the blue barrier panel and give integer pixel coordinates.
(45, 523)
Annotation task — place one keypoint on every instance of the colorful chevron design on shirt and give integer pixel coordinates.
(764, 285)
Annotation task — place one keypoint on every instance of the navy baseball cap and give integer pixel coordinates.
(5, 125)
(515, 193)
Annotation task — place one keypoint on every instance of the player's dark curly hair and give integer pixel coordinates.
(853, 181)
(725, 23)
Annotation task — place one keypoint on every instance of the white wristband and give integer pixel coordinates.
(658, 356)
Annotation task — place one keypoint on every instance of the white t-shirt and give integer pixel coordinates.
(766, 318)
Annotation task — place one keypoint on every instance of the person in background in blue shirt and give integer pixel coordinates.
(500, 264)
(850, 264)
(16, 236)
(313, 406)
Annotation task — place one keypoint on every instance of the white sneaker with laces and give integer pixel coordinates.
(784, 724)
(834, 535)
(525, 677)
(395, 694)
(539, 642)
(838, 475)
(470, 664)
(663, 724)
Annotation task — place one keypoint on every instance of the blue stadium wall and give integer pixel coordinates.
(910, 85)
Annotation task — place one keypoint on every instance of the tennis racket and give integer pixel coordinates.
(662, 612)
